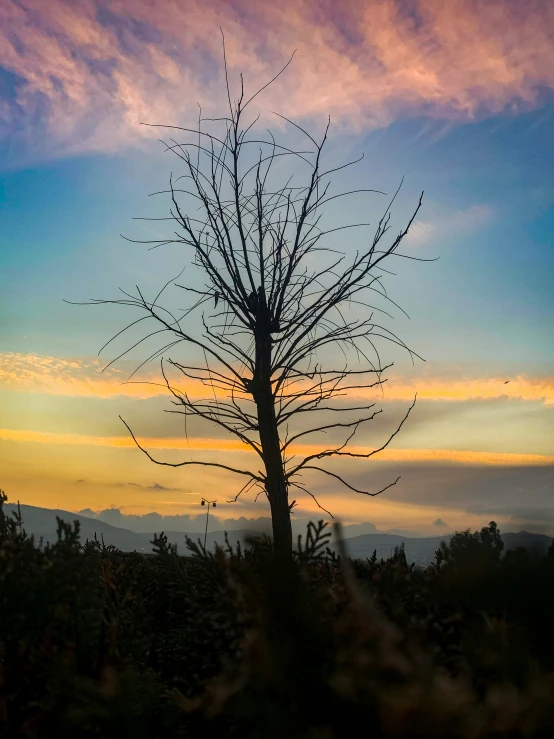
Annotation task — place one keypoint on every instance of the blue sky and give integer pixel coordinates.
(488, 195)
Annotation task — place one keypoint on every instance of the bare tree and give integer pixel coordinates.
(285, 327)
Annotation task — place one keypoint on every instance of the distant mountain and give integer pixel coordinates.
(41, 522)
(422, 550)
(538, 543)
(148, 522)
(408, 534)
(144, 524)
(358, 529)
(418, 550)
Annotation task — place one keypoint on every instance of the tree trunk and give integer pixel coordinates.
(276, 484)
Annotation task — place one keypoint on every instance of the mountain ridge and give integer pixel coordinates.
(41, 522)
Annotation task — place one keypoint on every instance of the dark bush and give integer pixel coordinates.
(98, 643)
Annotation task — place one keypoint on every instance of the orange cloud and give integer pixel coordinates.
(96, 68)
(521, 388)
(79, 377)
(231, 445)
(83, 377)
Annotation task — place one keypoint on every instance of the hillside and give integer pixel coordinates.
(422, 551)
(41, 522)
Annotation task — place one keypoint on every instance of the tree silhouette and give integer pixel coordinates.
(474, 547)
(286, 325)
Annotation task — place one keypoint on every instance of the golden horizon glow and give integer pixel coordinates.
(81, 377)
(232, 445)
(383, 513)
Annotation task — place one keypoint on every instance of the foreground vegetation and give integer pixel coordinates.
(99, 643)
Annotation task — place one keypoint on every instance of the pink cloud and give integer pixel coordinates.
(90, 72)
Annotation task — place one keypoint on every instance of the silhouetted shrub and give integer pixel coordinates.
(235, 643)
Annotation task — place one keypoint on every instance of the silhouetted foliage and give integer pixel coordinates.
(477, 547)
(238, 643)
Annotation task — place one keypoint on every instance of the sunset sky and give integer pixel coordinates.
(456, 96)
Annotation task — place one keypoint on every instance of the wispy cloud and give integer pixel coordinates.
(87, 73)
(196, 444)
(82, 377)
(78, 376)
(155, 486)
(420, 232)
(459, 222)
(520, 388)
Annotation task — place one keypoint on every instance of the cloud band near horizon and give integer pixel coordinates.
(196, 444)
(82, 377)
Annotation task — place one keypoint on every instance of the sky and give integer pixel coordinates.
(455, 97)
